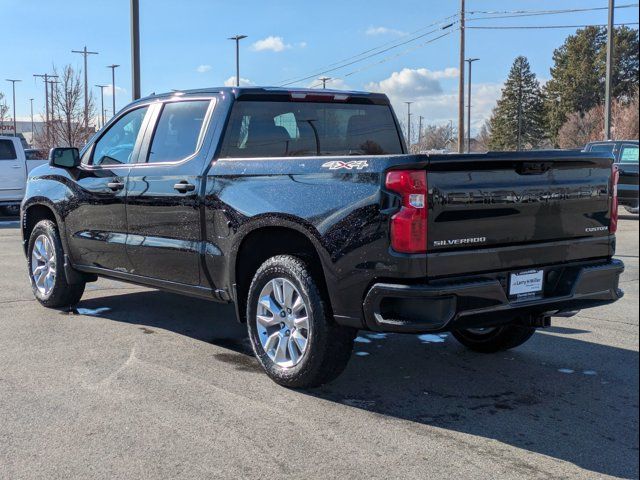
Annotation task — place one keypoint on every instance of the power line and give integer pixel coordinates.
(344, 63)
(390, 57)
(526, 13)
(536, 27)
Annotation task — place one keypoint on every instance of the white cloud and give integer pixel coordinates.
(204, 68)
(383, 31)
(301, 44)
(411, 82)
(244, 82)
(108, 91)
(271, 43)
(437, 104)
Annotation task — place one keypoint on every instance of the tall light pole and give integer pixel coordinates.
(13, 87)
(113, 87)
(102, 87)
(609, 79)
(85, 53)
(461, 82)
(470, 62)
(420, 118)
(409, 125)
(237, 39)
(52, 88)
(324, 81)
(32, 129)
(135, 50)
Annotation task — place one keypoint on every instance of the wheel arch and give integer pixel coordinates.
(268, 239)
(34, 212)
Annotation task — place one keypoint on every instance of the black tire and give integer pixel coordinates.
(495, 339)
(62, 294)
(329, 345)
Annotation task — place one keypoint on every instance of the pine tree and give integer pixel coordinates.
(518, 120)
(578, 74)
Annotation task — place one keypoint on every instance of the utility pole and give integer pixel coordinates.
(135, 50)
(13, 87)
(237, 39)
(53, 98)
(470, 62)
(102, 87)
(85, 53)
(113, 87)
(46, 100)
(609, 79)
(420, 129)
(32, 129)
(461, 82)
(324, 81)
(409, 125)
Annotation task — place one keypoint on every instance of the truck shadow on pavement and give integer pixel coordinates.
(558, 395)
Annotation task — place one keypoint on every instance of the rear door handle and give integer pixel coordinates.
(184, 187)
(115, 186)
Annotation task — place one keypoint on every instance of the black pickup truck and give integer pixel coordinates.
(304, 209)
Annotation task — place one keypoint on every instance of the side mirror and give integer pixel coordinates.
(65, 157)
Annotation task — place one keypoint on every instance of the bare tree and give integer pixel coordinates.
(437, 137)
(66, 125)
(581, 128)
(482, 138)
(4, 109)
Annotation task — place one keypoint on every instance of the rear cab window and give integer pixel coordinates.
(264, 128)
(7, 150)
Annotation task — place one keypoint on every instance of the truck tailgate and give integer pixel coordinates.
(499, 206)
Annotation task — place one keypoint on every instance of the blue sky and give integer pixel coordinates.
(184, 45)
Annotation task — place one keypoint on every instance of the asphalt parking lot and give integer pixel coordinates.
(144, 384)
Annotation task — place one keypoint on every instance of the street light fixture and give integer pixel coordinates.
(102, 87)
(237, 39)
(13, 86)
(113, 86)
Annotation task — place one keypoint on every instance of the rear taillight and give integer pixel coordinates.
(615, 177)
(409, 225)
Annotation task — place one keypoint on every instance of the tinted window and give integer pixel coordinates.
(602, 147)
(281, 129)
(177, 131)
(7, 150)
(629, 154)
(116, 145)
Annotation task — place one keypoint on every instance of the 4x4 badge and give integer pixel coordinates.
(337, 165)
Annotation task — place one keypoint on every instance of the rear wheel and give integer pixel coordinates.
(494, 339)
(293, 335)
(46, 268)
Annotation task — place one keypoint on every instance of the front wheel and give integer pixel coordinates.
(45, 262)
(293, 335)
(494, 339)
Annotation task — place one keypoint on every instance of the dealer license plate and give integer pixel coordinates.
(524, 283)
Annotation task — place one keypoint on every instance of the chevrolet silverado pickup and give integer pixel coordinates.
(304, 209)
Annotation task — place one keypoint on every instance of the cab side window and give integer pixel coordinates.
(116, 146)
(178, 131)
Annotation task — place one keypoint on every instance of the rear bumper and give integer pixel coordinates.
(484, 301)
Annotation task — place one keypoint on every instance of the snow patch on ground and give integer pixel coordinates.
(92, 311)
(362, 354)
(430, 338)
(566, 370)
(362, 340)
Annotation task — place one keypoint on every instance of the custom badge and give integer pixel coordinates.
(338, 165)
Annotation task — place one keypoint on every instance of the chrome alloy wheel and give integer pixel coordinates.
(43, 264)
(282, 322)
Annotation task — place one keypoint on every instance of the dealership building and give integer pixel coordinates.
(24, 130)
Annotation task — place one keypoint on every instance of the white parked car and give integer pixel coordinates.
(14, 168)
